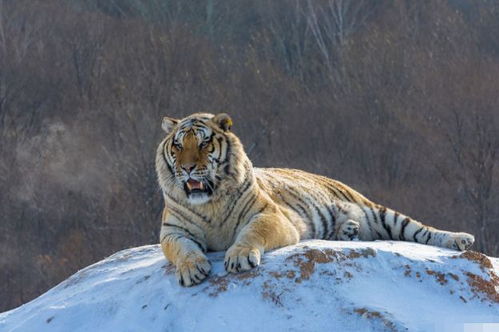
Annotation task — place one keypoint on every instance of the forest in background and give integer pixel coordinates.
(397, 98)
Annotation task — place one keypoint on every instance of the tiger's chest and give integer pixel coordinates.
(219, 230)
(217, 240)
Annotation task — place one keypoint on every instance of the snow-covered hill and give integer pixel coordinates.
(313, 286)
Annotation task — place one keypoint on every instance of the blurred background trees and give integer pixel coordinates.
(398, 99)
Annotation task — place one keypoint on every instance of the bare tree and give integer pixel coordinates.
(474, 143)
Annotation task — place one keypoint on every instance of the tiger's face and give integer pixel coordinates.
(195, 151)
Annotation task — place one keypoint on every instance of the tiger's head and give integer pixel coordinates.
(200, 158)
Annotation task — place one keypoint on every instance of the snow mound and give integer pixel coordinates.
(313, 286)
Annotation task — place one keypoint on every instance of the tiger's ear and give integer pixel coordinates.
(168, 123)
(223, 120)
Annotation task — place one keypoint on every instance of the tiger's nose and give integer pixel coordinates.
(188, 167)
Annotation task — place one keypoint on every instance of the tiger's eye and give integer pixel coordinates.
(176, 146)
(204, 144)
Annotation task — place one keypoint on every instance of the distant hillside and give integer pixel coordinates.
(397, 99)
(313, 286)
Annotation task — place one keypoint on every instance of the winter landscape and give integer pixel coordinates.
(397, 99)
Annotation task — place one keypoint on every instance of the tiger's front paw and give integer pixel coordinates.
(239, 259)
(193, 269)
(460, 241)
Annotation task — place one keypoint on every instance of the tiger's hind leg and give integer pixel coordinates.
(347, 231)
(387, 224)
(458, 241)
(348, 220)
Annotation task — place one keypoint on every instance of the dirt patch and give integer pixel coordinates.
(478, 284)
(477, 257)
(218, 284)
(246, 275)
(307, 260)
(485, 287)
(320, 256)
(290, 274)
(368, 252)
(376, 315)
(407, 271)
(439, 276)
(306, 270)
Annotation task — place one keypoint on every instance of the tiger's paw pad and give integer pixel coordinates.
(192, 270)
(348, 231)
(239, 259)
(461, 241)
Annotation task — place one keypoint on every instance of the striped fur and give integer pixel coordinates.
(247, 210)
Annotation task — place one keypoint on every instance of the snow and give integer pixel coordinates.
(313, 286)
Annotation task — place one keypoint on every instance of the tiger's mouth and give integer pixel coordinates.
(196, 188)
(193, 185)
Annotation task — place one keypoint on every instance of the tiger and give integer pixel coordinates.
(216, 200)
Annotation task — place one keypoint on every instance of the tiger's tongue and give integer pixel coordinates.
(193, 184)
